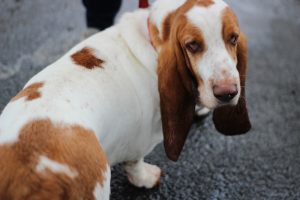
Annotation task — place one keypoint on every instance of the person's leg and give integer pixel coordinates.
(100, 14)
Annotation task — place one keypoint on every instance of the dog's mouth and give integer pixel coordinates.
(221, 104)
(212, 102)
(232, 102)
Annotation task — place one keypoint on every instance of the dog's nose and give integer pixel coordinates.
(225, 93)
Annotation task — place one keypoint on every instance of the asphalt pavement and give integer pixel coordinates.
(264, 164)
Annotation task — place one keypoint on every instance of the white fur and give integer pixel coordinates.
(142, 174)
(160, 9)
(120, 101)
(54, 166)
(201, 111)
(216, 59)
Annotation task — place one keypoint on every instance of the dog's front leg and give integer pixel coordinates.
(142, 174)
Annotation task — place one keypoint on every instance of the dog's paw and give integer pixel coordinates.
(142, 174)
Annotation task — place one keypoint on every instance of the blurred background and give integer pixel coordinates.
(264, 164)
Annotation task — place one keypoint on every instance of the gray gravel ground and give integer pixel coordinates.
(264, 164)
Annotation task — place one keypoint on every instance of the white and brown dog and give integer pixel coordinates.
(116, 95)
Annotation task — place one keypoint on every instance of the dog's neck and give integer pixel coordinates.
(134, 31)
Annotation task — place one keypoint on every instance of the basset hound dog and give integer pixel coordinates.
(116, 95)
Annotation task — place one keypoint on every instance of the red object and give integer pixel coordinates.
(143, 4)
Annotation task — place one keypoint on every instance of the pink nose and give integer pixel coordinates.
(225, 92)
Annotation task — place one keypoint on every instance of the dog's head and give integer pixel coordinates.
(202, 59)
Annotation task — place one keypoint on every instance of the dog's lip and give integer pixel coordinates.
(221, 104)
(216, 104)
(199, 103)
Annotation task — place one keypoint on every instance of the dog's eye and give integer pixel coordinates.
(233, 39)
(194, 46)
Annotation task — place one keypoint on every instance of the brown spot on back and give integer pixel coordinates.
(30, 92)
(86, 58)
(71, 145)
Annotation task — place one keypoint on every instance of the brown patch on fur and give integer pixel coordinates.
(86, 58)
(166, 26)
(30, 92)
(186, 31)
(154, 35)
(205, 3)
(72, 145)
(170, 18)
(230, 26)
(192, 33)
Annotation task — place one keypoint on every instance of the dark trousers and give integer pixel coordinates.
(100, 14)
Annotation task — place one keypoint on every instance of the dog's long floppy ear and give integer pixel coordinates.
(234, 120)
(177, 98)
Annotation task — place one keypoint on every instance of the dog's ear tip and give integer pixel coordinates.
(172, 153)
(232, 120)
(241, 132)
(233, 131)
(173, 157)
